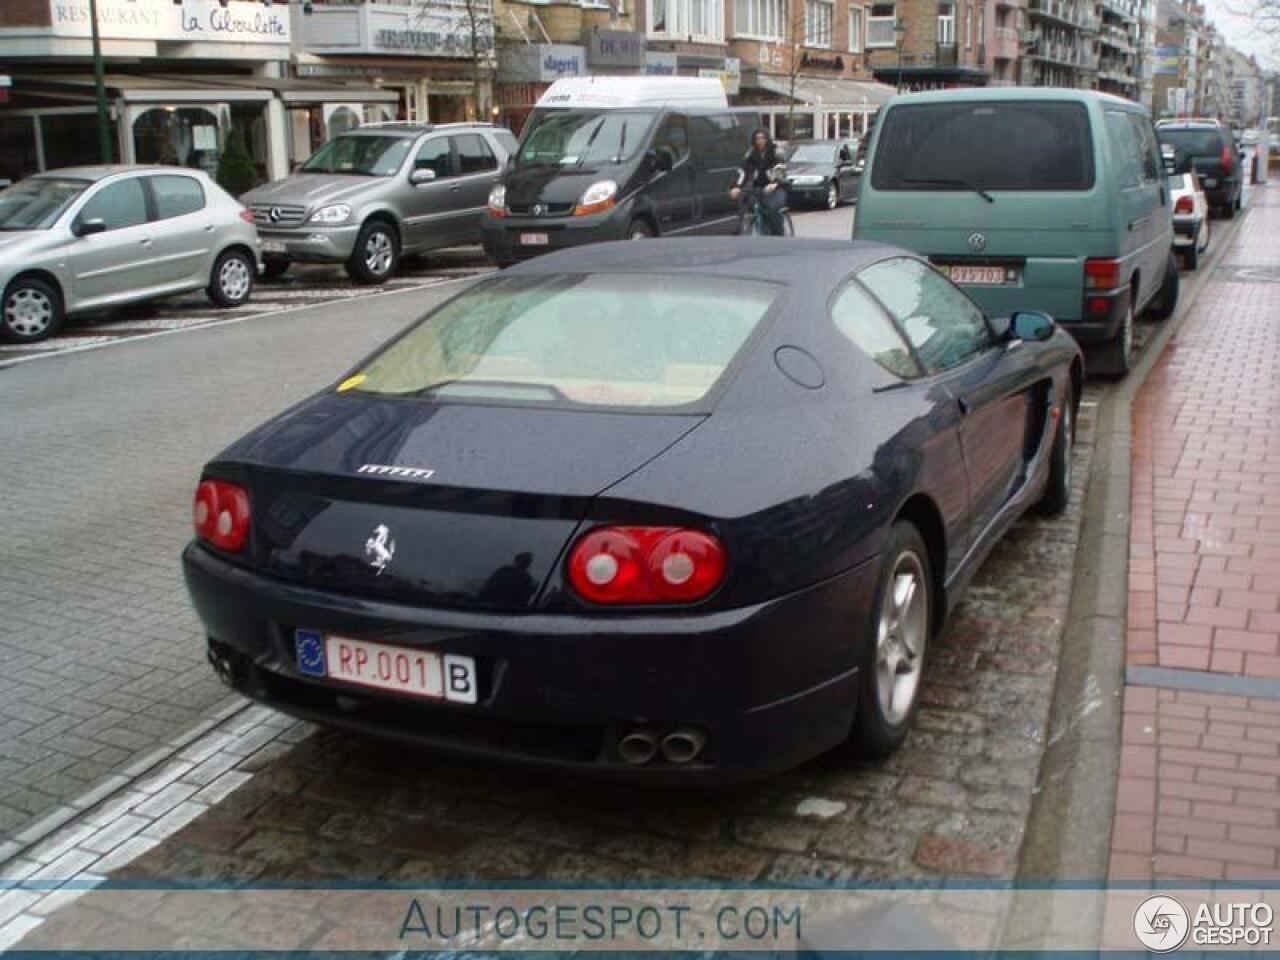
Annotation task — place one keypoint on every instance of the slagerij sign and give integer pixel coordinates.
(541, 63)
(194, 21)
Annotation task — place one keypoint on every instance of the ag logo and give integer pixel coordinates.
(977, 242)
(1161, 924)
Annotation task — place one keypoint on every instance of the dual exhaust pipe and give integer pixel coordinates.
(679, 747)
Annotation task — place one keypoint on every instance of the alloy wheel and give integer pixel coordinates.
(1068, 438)
(1126, 335)
(234, 280)
(833, 196)
(28, 312)
(900, 638)
(378, 253)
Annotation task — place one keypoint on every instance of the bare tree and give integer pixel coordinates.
(470, 35)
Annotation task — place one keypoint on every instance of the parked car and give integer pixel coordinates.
(613, 158)
(508, 532)
(1039, 198)
(371, 195)
(820, 172)
(1210, 148)
(91, 238)
(1191, 229)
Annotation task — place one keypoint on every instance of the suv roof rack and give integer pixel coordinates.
(419, 125)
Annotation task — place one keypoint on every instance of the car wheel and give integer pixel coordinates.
(833, 195)
(1167, 300)
(1206, 230)
(901, 622)
(1114, 355)
(1057, 493)
(1191, 258)
(232, 279)
(639, 230)
(32, 311)
(273, 268)
(376, 255)
(1229, 211)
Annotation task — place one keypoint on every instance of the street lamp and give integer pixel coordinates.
(899, 37)
(100, 85)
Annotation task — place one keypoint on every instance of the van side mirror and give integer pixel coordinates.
(662, 160)
(85, 228)
(422, 175)
(1030, 325)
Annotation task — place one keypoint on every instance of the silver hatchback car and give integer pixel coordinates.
(92, 238)
(370, 195)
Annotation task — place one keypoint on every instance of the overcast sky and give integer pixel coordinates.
(1242, 32)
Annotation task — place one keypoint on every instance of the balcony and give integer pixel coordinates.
(1055, 11)
(1004, 44)
(1056, 52)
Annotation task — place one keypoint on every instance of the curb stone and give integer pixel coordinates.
(1068, 835)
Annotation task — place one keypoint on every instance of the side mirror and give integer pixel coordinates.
(422, 175)
(85, 228)
(663, 160)
(1030, 325)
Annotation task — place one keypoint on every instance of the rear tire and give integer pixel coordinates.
(1229, 211)
(1114, 355)
(833, 195)
(1166, 301)
(231, 284)
(273, 268)
(1057, 492)
(31, 311)
(898, 645)
(377, 254)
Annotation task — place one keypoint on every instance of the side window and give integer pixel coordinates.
(862, 320)
(474, 155)
(176, 196)
(941, 323)
(436, 154)
(118, 205)
(1149, 147)
(1124, 148)
(673, 135)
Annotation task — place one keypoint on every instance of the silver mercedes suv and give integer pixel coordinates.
(371, 195)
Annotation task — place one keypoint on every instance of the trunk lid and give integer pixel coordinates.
(456, 505)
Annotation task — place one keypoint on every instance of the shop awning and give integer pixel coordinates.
(299, 91)
(828, 94)
(152, 88)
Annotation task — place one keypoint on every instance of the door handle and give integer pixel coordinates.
(455, 188)
(209, 228)
(145, 242)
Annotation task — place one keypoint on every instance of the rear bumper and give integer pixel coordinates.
(770, 685)
(502, 235)
(316, 245)
(1098, 326)
(1184, 231)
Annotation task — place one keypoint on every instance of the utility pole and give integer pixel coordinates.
(100, 86)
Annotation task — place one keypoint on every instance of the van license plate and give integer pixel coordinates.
(534, 239)
(990, 276)
(418, 673)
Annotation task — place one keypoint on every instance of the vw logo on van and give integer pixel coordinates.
(977, 242)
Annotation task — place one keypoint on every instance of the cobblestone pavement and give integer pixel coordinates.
(1200, 766)
(302, 286)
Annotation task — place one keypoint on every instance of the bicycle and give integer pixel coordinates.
(753, 220)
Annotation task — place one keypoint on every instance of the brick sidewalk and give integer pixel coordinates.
(1197, 796)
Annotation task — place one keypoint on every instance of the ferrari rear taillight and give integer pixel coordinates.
(646, 565)
(1228, 160)
(1102, 274)
(221, 515)
(1184, 205)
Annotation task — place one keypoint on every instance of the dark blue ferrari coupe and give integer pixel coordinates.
(684, 510)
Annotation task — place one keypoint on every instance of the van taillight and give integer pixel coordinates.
(1102, 274)
(1228, 160)
(646, 565)
(221, 515)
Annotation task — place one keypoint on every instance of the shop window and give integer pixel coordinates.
(818, 18)
(177, 137)
(880, 25)
(176, 196)
(66, 143)
(435, 155)
(474, 155)
(17, 148)
(118, 205)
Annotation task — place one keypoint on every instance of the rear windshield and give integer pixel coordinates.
(1197, 143)
(619, 340)
(1023, 145)
(577, 139)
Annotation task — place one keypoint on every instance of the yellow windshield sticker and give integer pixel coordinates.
(351, 383)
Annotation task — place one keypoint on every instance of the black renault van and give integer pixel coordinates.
(595, 166)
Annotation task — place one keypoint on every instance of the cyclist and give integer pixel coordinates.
(760, 177)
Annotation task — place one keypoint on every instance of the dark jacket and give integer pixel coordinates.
(755, 167)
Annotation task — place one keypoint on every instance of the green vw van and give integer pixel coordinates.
(1030, 198)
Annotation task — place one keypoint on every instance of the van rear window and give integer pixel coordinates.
(992, 145)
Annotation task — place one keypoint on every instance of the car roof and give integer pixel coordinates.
(1013, 94)
(409, 128)
(101, 171)
(807, 262)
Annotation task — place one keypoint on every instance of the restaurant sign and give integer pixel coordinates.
(190, 21)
